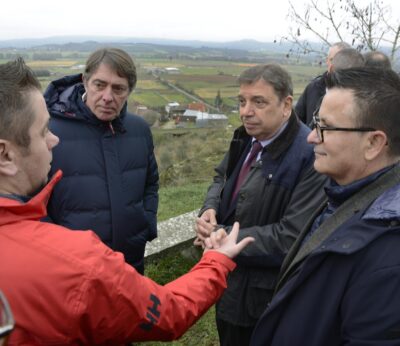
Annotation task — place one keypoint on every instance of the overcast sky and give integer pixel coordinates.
(214, 20)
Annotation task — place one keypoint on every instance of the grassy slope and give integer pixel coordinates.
(183, 190)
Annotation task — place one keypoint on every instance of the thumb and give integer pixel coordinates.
(213, 219)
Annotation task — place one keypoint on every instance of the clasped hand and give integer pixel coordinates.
(218, 239)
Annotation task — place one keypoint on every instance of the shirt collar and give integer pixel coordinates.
(265, 142)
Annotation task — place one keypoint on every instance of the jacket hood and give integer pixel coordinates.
(385, 207)
(64, 99)
(377, 219)
(12, 210)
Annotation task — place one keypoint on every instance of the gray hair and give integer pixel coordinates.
(272, 74)
(377, 59)
(347, 58)
(119, 60)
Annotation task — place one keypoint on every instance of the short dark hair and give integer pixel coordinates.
(377, 97)
(17, 80)
(347, 58)
(377, 59)
(272, 74)
(119, 60)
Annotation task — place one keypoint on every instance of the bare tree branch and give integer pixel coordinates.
(365, 27)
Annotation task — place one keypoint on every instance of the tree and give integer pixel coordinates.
(218, 100)
(151, 116)
(368, 27)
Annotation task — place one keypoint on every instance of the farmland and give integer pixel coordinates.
(203, 78)
(199, 73)
(196, 76)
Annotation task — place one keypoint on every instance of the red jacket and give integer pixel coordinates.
(68, 288)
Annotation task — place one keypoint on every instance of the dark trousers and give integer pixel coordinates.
(232, 335)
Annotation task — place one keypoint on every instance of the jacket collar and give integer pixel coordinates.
(338, 194)
(281, 144)
(385, 183)
(385, 207)
(12, 209)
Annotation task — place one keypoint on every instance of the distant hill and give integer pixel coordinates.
(250, 50)
(248, 45)
(243, 50)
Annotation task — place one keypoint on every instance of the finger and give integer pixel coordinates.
(214, 242)
(202, 224)
(206, 231)
(198, 242)
(202, 231)
(205, 216)
(207, 244)
(243, 243)
(217, 238)
(213, 219)
(233, 235)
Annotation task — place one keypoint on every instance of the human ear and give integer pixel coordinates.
(288, 104)
(376, 143)
(8, 165)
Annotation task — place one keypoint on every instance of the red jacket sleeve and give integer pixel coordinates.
(126, 306)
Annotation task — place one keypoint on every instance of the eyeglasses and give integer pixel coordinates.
(6, 318)
(320, 129)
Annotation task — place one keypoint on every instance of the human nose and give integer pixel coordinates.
(52, 140)
(247, 109)
(107, 95)
(313, 137)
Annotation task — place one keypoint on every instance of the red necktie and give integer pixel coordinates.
(255, 149)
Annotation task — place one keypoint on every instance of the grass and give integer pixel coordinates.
(176, 200)
(186, 191)
(149, 98)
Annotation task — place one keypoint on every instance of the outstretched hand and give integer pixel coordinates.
(226, 244)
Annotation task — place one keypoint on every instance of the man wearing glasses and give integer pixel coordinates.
(339, 284)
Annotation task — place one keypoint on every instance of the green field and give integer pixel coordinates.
(202, 78)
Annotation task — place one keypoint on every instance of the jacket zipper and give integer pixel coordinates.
(111, 128)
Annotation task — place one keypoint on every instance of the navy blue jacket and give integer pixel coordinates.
(110, 182)
(344, 289)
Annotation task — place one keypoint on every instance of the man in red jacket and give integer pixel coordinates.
(68, 288)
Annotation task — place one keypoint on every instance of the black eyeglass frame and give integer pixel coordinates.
(320, 129)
